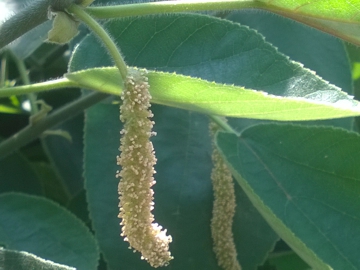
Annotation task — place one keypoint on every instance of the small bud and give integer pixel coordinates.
(64, 28)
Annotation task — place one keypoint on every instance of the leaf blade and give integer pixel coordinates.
(39, 226)
(227, 100)
(230, 54)
(311, 198)
(339, 18)
(21, 260)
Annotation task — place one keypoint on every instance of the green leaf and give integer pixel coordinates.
(215, 49)
(67, 156)
(183, 192)
(39, 226)
(344, 30)
(316, 50)
(17, 174)
(31, 41)
(252, 235)
(227, 100)
(340, 10)
(9, 109)
(305, 182)
(51, 184)
(229, 53)
(78, 205)
(21, 260)
(340, 18)
(287, 260)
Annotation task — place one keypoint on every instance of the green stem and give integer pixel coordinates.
(25, 79)
(32, 131)
(222, 124)
(104, 37)
(107, 12)
(21, 68)
(37, 87)
(3, 69)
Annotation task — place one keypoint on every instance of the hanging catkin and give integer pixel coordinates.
(223, 210)
(137, 160)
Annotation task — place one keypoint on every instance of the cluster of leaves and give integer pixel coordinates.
(297, 180)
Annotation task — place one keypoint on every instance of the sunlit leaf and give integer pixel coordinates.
(227, 100)
(340, 18)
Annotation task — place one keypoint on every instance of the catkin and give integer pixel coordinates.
(137, 160)
(223, 210)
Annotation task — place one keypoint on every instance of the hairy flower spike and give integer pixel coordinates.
(137, 160)
(223, 211)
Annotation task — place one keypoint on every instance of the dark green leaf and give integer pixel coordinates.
(66, 156)
(16, 174)
(100, 165)
(253, 237)
(21, 260)
(78, 205)
(52, 186)
(32, 40)
(213, 50)
(305, 182)
(204, 47)
(288, 260)
(39, 226)
(316, 50)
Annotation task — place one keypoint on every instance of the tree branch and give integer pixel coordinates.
(32, 131)
(28, 18)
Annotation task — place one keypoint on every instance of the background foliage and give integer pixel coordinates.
(302, 177)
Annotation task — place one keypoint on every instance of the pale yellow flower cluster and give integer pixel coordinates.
(137, 160)
(223, 211)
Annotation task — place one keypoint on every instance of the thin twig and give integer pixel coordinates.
(105, 38)
(33, 131)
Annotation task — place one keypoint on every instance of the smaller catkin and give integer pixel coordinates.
(137, 160)
(223, 210)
